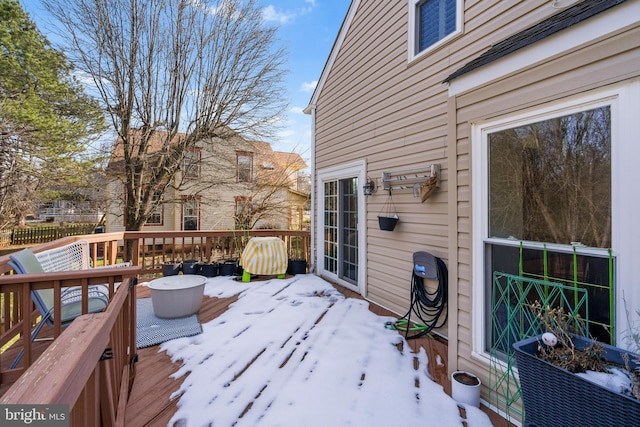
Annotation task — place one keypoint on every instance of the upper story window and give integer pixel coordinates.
(192, 164)
(244, 166)
(431, 22)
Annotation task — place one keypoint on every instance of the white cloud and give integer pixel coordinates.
(296, 110)
(309, 86)
(270, 13)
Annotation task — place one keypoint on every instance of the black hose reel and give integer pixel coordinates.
(429, 307)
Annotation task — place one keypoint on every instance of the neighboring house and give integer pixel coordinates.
(86, 204)
(71, 211)
(224, 184)
(531, 111)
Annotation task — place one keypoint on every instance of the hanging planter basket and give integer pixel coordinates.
(387, 223)
(388, 218)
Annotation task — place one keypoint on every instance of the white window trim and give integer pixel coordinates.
(624, 100)
(347, 170)
(412, 30)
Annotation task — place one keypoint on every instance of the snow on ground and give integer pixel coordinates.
(295, 352)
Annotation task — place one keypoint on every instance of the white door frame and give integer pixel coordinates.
(357, 170)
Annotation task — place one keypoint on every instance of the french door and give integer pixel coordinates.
(340, 237)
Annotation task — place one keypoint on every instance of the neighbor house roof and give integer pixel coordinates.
(558, 22)
(265, 156)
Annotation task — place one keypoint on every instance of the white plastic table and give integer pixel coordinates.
(177, 296)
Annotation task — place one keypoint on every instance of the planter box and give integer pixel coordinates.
(230, 268)
(189, 266)
(553, 396)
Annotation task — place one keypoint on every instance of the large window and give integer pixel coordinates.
(549, 188)
(431, 22)
(553, 200)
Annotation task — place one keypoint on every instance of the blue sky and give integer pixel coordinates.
(308, 29)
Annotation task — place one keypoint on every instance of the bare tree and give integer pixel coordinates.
(171, 73)
(268, 200)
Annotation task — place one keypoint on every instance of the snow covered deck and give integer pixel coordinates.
(293, 351)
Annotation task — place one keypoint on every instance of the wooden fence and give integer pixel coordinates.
(35, 235)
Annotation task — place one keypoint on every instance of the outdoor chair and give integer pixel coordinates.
(25, 262)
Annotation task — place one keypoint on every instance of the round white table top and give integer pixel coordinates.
(182, 281)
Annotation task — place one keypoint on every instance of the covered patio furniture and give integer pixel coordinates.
(264, 255)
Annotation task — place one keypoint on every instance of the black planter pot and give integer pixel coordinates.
(227, 268)
(171, 268)
(387, 223)
(297, 266)
(208, 270)
(189, 266)
(553, 396)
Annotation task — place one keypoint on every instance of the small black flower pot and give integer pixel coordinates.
(171, 268)
(297, 266)
(227, 268)
(189, 266)
(387, 223)
(208, 270)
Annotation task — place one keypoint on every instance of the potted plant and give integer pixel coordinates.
(296, 263)
(208, 269)
(465, 388)
(569, 380)
(171, 268)
(388, 217)
(230, 267)
(189, 266)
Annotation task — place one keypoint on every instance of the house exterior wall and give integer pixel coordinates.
(593, 66)
(377, 105)
(217, 189)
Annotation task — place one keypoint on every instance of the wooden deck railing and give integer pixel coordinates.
(89, 366)
(151, 249)
(70, 370)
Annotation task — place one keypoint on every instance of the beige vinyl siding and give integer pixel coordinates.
(395, 114)
(586, 68)
(377, 106)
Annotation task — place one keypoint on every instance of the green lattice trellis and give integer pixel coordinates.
(512, 320)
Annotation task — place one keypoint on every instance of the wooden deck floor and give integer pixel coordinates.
(150, 402)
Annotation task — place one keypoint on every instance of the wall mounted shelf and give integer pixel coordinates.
(410, 178)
